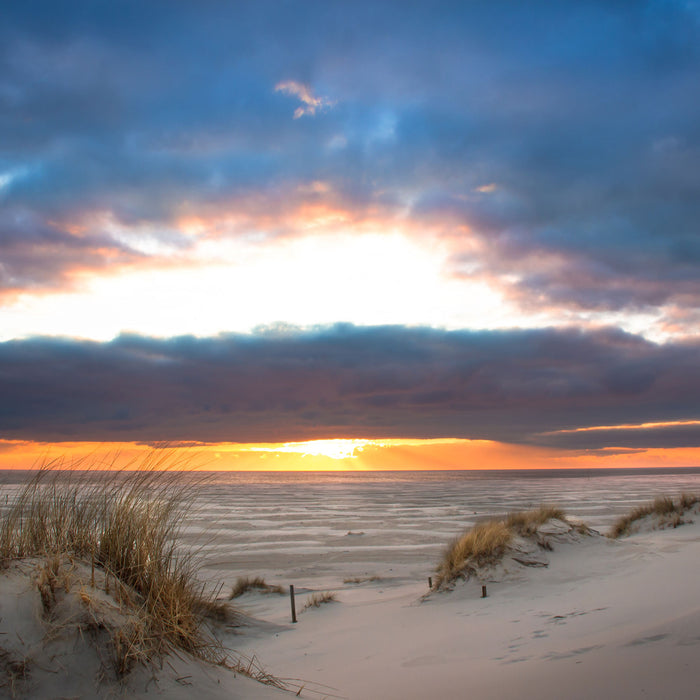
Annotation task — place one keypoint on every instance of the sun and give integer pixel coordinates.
(336, 448)
(317, 455)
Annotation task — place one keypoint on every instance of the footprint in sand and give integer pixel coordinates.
(646, 640)
(558, 656)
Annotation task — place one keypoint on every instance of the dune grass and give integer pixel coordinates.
(526, 522)
(669, 513)
(362, 579)
(316, 600)
(486, 543)
(126, 527)
(246, 583)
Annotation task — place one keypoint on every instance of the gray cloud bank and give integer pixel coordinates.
(347, 381)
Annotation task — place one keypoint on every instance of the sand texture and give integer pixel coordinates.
(604, 619)
(59, 642)
(569, 613)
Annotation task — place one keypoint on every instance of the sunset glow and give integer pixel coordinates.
(333, 449)
(337, 455)
(368, 279)
(631, 426)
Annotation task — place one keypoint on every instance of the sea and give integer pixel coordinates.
(316, 529)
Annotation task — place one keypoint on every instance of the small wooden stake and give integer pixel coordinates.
(291, 600)
(483, 591)
(430, 582)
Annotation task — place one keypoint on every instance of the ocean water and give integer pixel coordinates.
(315, 529)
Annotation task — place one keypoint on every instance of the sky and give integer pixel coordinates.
(351, 235)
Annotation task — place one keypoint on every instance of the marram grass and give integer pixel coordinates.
(127, 526)
(316, 600)
(256, 583)
(667, 511)
(486, 543)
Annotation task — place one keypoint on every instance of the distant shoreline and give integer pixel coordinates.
(544, 471)
(425, 473)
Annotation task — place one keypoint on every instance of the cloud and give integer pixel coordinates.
(351, 382)
(311, 103)
(661, 436)
(40, 255)
(585, 117)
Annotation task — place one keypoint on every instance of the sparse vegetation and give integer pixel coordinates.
(362, 579)
(667, 512)
(483, 544)
(486, 543)
(13, 671)
(251, 667)
(688, 500)
(245, 583)
(125, 526)
(526, 522)
(316, 600)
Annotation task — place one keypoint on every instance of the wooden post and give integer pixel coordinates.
(430, 582)
(291, 600)
(483, 591)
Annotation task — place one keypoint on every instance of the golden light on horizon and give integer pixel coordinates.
(626, 426)
(335, 454)
(334, 448)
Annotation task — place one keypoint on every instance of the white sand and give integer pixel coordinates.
(67, 654)
(604, 620)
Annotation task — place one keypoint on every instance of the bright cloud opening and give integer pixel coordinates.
(336, 448)
(237, 286)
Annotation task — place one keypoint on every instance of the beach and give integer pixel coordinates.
(349, 350)
(603, 618)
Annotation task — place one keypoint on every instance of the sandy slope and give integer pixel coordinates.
(604, 620)
(62, 647)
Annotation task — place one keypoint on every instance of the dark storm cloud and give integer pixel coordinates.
(661, 436)
(350, 381)
(585, 115)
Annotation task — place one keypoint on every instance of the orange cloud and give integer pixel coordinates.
(310, 102)
(311, 208)
(627, 426)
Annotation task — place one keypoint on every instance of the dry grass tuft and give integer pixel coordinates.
(486, 543)
(13, 672)
(218, 611)
(687, 500)
(245, 583)
(126, 525)
(316, 600)
(526, 522)
(362, 579)
(669, 513)
(251, 667)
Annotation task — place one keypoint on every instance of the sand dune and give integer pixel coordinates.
(64, 647)
(592, 618)
(605, 619)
